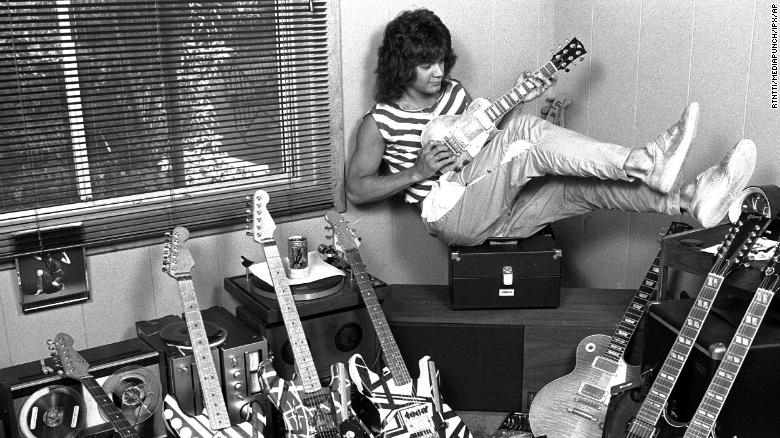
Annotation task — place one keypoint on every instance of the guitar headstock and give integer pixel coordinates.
(564, 58)
(67, 361)
(771, 279)
(263, 225)
(177, 260)
(344, 237)
(755, 216)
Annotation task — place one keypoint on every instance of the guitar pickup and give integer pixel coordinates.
(593, 392)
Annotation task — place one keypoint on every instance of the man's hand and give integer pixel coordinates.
(540, 83)
(432, 157)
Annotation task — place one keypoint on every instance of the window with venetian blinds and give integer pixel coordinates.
(125, 118)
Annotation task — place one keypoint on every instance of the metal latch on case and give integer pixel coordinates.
(507, 275)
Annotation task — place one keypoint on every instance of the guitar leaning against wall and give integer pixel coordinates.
(650, 419)
(309, 410)
(407, 408)
(576, 404)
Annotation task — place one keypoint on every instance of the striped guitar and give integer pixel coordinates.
(576, 404)
(406, 408)
(308, 408)
(181, 425)
(70, 363)
(702, 424)
(178, 262)
(650, 418)
(467, 133)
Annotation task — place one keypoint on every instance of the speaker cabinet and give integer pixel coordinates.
(332, 336)
(750, 411)
(480, 365)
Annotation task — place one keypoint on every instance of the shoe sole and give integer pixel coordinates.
(735, 166)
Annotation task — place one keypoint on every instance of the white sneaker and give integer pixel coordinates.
(718, 186)
(669, 150)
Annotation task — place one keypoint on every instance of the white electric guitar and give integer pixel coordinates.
(309, 410)
(466, 134)
(406, 408)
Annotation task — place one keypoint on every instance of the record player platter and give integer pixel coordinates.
(177, 335)
(301, 292)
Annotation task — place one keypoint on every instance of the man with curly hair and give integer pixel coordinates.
(532, 173)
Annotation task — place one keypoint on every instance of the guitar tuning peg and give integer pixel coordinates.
(566, 70)
(328, 227)
(329, 236)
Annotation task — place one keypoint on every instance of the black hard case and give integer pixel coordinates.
(477, 273)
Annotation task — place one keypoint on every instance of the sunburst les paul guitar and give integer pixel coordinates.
(465, 134)
(406, 408)
(649, 419)
(576, 404)
(70, 363)
(308, 408)
(178, 262)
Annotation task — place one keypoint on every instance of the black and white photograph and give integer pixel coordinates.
(390, 218)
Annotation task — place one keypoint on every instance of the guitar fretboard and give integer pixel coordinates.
(292, 321)
(656, 399)
(109, 409)
(207, 372)
(386, 340)
(511, 98)
(630, 321)
(703, 421)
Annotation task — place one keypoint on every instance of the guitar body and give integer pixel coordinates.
(406, 410)
(622, 414)
(575, 405)
(310, 415)
(181, 425)
(462, 133)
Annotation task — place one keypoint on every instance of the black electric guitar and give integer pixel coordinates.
(407, 408)
(650, 418)
(467, 133)
(309, 409)
(178, 262)
(576, 404)
(702, 424)
(69, 362)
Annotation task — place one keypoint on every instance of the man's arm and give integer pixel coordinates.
(365, 183)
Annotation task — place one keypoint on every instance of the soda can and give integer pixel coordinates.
(298, 251)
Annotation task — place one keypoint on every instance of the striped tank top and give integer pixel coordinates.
(401, 131)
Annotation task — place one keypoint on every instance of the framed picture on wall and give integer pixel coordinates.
(52, 278)
(51, 268)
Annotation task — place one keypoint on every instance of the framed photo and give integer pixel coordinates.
(52, 278)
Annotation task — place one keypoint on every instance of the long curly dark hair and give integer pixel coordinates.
(412, 38)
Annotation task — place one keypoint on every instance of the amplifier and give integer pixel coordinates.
(750, 411)
(237, 360)
(129, 365)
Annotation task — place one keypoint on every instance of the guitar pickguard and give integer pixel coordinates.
(407, 410)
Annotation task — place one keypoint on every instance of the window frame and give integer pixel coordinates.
(41, 218)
